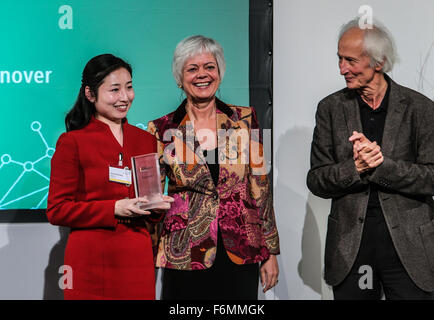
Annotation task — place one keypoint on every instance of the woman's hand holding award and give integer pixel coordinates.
(147, 181)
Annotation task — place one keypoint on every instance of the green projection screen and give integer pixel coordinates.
(45, 45)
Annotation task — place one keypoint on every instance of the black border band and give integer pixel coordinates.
(23, 216)
(261, 64)
(261, 60)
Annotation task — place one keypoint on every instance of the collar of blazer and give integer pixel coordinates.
(226, 119)
(180, 116)
(395, 112)
(95, 123)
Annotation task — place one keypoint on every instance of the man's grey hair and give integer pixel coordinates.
(192, 46)
(378, 43)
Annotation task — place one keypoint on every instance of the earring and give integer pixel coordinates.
(181, 93)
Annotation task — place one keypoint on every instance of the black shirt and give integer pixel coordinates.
(373, 126)
(211, 158)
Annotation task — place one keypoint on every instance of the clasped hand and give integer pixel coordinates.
(367, 155)
(130, 208)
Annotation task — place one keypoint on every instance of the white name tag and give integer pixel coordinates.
(120, 175)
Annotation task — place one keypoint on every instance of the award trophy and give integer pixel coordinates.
(147, 180)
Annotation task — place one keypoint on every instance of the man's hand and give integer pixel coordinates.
(367, 155)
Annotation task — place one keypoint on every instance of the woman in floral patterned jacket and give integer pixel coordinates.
(220, 233)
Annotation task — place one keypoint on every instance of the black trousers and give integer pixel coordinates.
(377, 254)
(224, 280)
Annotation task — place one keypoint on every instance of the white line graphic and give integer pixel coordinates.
(27, 166)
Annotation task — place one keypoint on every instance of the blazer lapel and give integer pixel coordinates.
(352, 113)
(395, 113)
(186, 139)
(226, 119)
(227, 129)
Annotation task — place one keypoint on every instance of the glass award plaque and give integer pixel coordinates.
(147, 180)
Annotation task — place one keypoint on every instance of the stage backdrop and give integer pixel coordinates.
(306, 70)
(45, 45)
(48, 44)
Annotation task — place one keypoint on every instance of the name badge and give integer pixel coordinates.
(120, 175)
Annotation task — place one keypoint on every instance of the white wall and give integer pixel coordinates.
(305, 71)
(30, 257)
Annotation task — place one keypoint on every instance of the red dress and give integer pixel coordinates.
(109, 260)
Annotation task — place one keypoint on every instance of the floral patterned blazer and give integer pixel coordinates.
(240, 204)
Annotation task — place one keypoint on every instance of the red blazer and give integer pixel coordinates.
(108, 259)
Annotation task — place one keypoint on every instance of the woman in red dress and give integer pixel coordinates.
(109, 250)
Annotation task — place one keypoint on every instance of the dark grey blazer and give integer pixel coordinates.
(406, 177)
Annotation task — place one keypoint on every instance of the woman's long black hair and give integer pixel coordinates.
(93, 76)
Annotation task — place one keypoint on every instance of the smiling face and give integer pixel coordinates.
(115, 96)
(200, 77)
(354, 63)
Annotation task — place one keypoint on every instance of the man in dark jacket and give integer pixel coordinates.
(373, 155)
